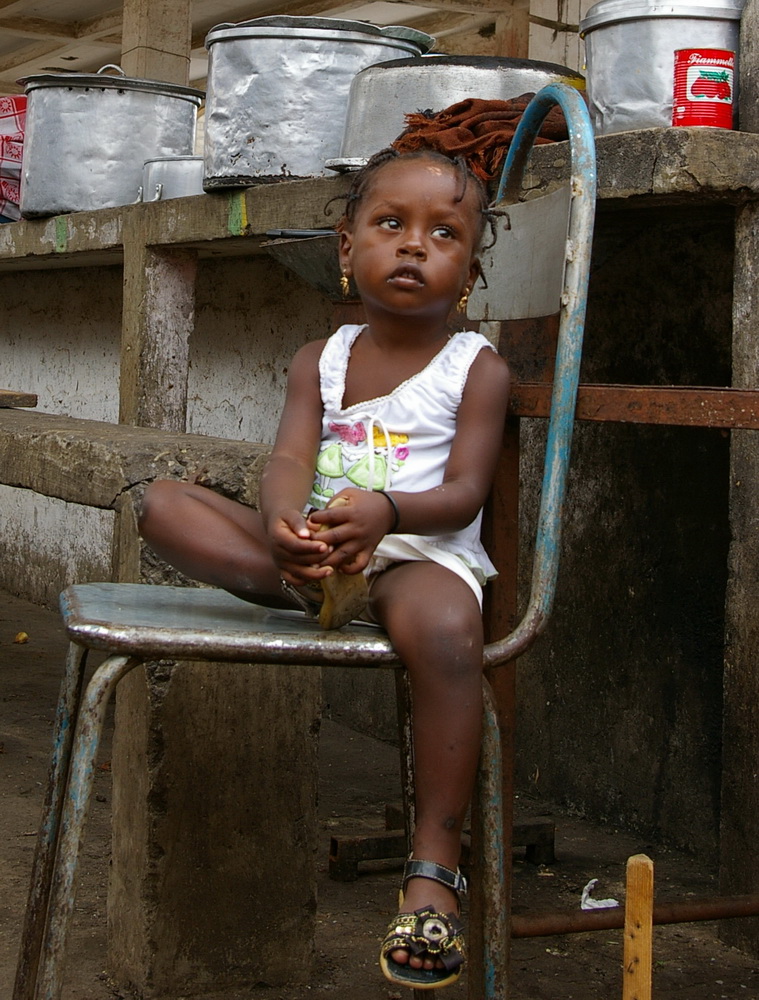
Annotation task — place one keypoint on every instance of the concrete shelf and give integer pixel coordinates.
(694, 166)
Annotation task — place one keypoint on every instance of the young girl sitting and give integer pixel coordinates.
(372, 500)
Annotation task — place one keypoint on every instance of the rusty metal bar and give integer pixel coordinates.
(683, 406)
(579, 921)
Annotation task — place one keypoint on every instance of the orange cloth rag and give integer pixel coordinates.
(478, 130)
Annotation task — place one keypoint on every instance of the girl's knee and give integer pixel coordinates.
(159, 498)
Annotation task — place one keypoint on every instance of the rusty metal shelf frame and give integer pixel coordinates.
(683, 406)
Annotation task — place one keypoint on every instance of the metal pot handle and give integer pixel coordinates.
(158, 192)
(118, 69)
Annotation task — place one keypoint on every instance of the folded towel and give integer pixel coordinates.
(478, 130)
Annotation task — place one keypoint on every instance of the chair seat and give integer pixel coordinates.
(150, 621)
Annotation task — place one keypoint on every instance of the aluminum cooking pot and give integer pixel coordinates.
(381, 95)
(278, 92)
(88, 136)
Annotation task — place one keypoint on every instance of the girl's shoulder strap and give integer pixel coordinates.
(458, 356)
(333, 364)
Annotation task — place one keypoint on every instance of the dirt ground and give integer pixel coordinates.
(358, 775)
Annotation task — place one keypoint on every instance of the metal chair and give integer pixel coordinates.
(135, 623)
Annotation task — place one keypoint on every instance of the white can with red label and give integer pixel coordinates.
(704, 86)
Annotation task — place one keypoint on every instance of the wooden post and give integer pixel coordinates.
(639, 911)
(512, 31)
(158, 317)
(155, 40)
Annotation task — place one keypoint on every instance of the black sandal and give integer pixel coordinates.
(438, 936)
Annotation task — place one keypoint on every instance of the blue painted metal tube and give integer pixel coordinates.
(496, 886)
(44, 854)
(569, 349)
(74, 817)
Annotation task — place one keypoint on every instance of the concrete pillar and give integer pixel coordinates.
(213, 881)
(214, 828)
(155, 40)
(739, 858)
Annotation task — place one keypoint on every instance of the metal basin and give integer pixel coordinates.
(381, 95)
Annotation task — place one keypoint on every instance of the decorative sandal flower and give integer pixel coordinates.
(426, 933)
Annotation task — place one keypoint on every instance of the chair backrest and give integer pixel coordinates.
(540, 264)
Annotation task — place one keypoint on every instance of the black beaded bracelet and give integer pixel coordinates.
(396, 512)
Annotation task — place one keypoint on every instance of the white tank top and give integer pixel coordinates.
(399, 442)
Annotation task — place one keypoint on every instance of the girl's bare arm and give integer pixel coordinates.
(288, 476)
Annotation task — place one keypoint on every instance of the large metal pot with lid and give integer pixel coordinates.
(88, 136)
(631, 47)
(278, 92)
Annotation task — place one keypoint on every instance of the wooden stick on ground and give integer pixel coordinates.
(639, 907)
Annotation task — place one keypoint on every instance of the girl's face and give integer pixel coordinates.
(411, 246)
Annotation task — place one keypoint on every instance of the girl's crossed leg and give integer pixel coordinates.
(212, 539)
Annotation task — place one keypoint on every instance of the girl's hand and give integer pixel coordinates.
(352, 526)
(298, 553)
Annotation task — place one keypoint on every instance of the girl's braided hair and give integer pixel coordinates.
(363, 178)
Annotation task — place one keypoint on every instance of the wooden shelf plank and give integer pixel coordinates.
(9, 397)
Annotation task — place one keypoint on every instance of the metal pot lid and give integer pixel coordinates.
(101, 81)
(614, 11)
(318, 27)
(479, 62)
(173, 159)
(421, 39)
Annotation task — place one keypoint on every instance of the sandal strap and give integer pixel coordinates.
(436, 873)
(311, 608)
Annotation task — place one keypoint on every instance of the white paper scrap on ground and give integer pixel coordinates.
(588, 903)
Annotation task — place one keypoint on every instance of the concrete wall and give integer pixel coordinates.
(60, 341)
(620, 702)
(251, 315)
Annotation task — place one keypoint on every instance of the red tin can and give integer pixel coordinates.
(704, 87)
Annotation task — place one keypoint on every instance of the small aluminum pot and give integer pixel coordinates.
(171, 177)
(278, 92)
(88, 136)
(381, 95)
(630, 50)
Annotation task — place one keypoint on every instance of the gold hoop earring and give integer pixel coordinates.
(345, 285)
(462, 303)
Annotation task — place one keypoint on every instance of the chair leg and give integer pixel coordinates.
(405, 739)
(495, 878)
(73, 818)
(489, 914)
(44, 854)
